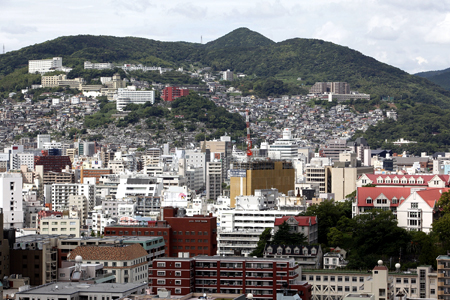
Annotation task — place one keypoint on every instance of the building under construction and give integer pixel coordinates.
(246, 177)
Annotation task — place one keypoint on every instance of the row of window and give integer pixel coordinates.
(187, 241)
(403, 181)
(190, 233)
(61, 223)
(333, 278)
(190, 247)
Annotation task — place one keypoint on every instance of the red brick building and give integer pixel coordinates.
(195, 235)
(230, 275)
(97, 173)
(170, 93)
(53, 163)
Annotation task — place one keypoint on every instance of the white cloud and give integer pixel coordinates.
(331, 32)
(441, 32)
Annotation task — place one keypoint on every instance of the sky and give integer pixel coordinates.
(413, 35)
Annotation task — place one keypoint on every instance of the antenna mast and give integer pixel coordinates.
(249, 141)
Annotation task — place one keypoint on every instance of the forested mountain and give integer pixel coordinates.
(242, 51)
(441, 77)
(299, 63)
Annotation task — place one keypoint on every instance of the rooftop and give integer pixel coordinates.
(69, 288)
(117, 253)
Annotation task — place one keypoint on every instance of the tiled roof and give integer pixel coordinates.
(374, 192)
(302, 220)
(121, 253)
(426, 178)
(431, 196)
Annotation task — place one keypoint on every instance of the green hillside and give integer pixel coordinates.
(298, 63)
(441, 78)
(241, 37)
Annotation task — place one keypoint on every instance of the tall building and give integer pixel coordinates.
(285, 148)
(213, 179)
(61, 193)
(41, 139)
(246, 177)
(11, 199)
(330, 87)
(44, 65)
(227, 75)
(171, 93)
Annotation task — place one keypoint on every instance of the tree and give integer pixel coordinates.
(335, 237)
(284, 236)
(376, 234)
(328, 214)
(265, 236)
(444, 202)
(441, 228)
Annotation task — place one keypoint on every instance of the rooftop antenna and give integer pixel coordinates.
(4, 49)
(201, 39)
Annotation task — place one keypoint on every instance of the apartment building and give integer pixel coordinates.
(214, 179)
(11, 200)
(127, 96)
(60, 193)
(60, 225)
(228, 275)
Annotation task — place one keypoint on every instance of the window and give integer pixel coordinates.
(177, 273)
(177, 265)
(161, 281)
(177, 291)
(413, 280)
(317, 278)
(354, 279)
(432, 291)
(414, 205)
(311, 278)
(177, 282)
(361, 279)
(398, 280)
(339, 288)
(347, 289)
(161, 273)
(347, 279)
(325, 278)
(332, 278)
(354, 288)
(161, 264)
(368, 201)
(405, 280)
(339, 278)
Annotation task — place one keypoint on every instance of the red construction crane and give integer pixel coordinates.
(249, 141)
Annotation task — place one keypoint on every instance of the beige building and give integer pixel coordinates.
(81, 204)
(344, 175)
(381, 283)
(127, 262)
(260, 175)
(61, 80)
(58, 225)
(443, 270)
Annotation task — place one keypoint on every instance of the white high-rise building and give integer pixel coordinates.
(61, 192)
(20, 159)
(41, 139)
(43, 66)
(11, 200)
(285, 148)
(227, 75)
(130, 95)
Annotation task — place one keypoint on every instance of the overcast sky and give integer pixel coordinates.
(413, 35)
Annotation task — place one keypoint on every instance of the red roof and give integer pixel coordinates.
(389, 192)
(431, 196)
(302, 220)
(426, 178)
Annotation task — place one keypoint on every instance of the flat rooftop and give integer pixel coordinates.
(69, 288)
